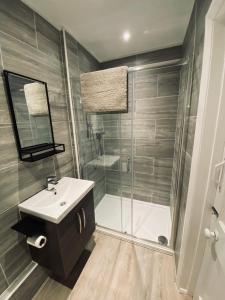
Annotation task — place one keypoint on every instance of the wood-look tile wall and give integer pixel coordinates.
(30, 46)
(152, 114)
(187, 113)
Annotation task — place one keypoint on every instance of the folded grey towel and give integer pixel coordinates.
(105, 90)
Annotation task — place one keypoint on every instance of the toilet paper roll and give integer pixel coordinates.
(37, 241)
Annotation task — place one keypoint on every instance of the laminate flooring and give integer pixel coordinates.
(120, 270)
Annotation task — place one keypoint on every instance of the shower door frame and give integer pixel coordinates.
(149, 243)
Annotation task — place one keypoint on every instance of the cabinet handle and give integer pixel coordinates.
(80, 223)
(84, 216)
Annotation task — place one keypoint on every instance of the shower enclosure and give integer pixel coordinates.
(133, 160)
(130, 156)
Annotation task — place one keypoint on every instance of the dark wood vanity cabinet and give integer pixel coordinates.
(66, 240)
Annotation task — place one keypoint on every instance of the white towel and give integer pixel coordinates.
(36, 98)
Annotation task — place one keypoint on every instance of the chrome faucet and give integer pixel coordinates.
(51, 181)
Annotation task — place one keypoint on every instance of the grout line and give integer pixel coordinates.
(1, 57)
(4, 274)
(35, 29)
(157, 85)
(20, 41)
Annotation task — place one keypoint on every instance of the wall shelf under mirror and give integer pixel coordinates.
(30, 112)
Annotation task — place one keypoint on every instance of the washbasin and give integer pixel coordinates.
(52, 206)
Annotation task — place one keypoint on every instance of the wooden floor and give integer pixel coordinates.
(119, 270)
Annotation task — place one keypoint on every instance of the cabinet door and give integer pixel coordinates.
(88, 217)
(75, 231)
(70, 240)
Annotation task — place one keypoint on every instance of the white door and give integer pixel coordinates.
(211, 280)
(211, 283)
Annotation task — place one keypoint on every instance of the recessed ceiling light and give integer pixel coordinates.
(126, 36)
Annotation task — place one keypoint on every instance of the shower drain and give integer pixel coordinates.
(162, 240)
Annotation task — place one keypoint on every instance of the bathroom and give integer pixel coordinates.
(112, 149)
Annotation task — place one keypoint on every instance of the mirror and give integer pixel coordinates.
(29, 104)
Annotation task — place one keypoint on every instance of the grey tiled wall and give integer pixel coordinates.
(145, 58)
(32, 47)
(187, 112)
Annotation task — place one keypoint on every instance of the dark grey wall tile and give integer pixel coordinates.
(144, 164)
(159, 55)
(145, 58)
(8, 151)
(163, 167)
(31, 62)
(152, 182)
(63, 163)
(168, 84)
(143, 194)
(145, 87)
(117, 178)
(28, 289)
(62, 133)
(15, 260)
(161, 197)
(48, 37)
(144, 128)
(155, 108)
(31, 178)
(165, 129)
(126, 61)
(87, 62)
(162, 149)
(58, 105)
(3, 282)
(17, 20)
(8, 236)
(9, 188)
(191, 133)
(117, 146)
(4, 109)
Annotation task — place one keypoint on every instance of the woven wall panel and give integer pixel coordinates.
(105, 90)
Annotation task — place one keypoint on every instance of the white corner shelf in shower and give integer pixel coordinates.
(106, 161)
(150, 220)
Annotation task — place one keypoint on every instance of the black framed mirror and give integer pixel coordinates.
(31, 116)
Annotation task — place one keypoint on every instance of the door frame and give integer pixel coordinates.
(201, 192)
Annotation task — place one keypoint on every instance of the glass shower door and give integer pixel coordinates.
(155, 97)
(114, 209)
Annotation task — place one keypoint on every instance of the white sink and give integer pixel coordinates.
(54, 207)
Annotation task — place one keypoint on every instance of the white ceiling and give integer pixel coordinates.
(99, 24)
